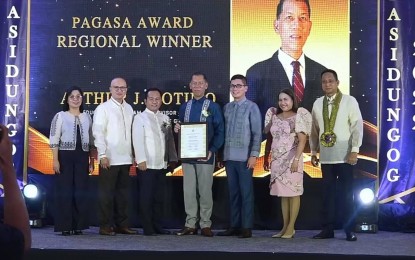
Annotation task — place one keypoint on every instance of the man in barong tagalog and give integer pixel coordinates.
(337, 133)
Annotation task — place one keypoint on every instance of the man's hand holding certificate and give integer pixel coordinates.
(192, 140)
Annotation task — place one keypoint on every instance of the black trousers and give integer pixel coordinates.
(113, 195)
(338, 183)
(151, 184)
(71, 191)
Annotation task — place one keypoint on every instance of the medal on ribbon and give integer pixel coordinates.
(328, 138)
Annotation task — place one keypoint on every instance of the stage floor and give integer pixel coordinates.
(91, 245)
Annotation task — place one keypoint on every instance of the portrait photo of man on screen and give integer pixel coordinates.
(288, 32)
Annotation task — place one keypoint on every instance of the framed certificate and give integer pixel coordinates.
(193, 141)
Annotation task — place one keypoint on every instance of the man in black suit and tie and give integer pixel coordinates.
(268, 77)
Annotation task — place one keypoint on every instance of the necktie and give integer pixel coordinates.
(297, 81)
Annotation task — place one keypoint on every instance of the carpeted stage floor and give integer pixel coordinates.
(91, 245)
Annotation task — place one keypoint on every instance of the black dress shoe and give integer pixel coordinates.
(324, 235)
(163, 232)
(229, 232)
(350, 236)
(186, 231)
(66, 233)
(125, 231)
(207, 232)
(245, 233)
(77, 232)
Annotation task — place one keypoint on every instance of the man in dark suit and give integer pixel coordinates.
(268, 77)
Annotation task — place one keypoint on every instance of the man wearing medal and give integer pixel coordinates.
(337, 133)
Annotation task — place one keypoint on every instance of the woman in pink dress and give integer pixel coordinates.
(287, 127)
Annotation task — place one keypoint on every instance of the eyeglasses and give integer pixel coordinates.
(75, 97)
(119, 88)
(237, 86)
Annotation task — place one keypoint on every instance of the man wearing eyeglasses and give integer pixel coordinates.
(111, 128)
(268, 77)
(242, 146)
(198, 174)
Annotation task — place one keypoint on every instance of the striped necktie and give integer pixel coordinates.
(297, 81)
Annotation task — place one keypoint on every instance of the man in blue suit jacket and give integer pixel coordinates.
(268, 77)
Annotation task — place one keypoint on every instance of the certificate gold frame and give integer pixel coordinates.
(193, 141)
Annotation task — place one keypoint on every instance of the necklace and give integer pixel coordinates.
(328, 138)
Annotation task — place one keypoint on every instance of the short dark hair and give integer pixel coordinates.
(281, 5)
(290, 93)
(198, 73)
(239, 76)
(68, 93)
(329, 71)
(152, 89)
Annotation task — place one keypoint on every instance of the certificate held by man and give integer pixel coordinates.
(193, 141)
